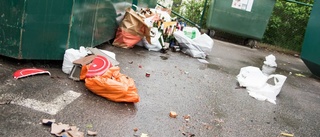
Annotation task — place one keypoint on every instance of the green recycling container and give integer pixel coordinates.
(44, 29)
(310, 53)
(245, 18)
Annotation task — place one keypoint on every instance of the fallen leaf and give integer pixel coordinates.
(92, 133)
(286, 134)
(300, 75)
(89, 126)
(219, 120)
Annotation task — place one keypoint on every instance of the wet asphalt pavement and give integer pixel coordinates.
(207, 92)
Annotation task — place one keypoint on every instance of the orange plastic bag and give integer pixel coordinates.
(131, 30)
(113, 85)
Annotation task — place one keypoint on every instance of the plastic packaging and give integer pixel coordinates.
(204, 42)
(268, 92)
(71, 55)
(191, 32)
(257, 83)
(269, 65)
(251, 77)
(113, 85)
(155, 41)
(188, 46)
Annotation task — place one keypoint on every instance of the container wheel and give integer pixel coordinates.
(250, 42)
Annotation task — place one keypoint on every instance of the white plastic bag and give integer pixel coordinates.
(204, 42)
(256, 83)
(269, 65)
(268, 92)
(155, 40)
(270, 61)
(191, 32)
(71, 55)
(251, 77)
(188, 46)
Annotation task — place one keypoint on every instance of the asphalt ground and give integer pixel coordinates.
(208, 93)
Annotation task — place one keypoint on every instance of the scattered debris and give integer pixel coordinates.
(147, 74)
(57, 129)
(188, 134)
(203, 61)
(300, 75)
(186, 117)
(5, 102)
(89, 126)
(219, 120)
(173, 114)
(92, 133)
(65, 130)
(48, 122)
(144, 135)
(135, 129)
(164, 57)
(130, 62)
(28, 72)
(175, 48)
(286, 134)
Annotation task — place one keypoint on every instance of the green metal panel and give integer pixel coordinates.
(44, 29)
(311, 45)
(246, 23)
(147, 3)
(10, 26)
(93, 23)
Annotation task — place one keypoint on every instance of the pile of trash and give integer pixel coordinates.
(155, 30)
(256, 80)
(98, 68)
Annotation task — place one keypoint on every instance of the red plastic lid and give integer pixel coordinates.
(28, 72)
(98, 66)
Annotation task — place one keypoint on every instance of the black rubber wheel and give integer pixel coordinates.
(250, 42)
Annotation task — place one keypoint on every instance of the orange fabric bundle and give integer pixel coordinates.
(112, 85)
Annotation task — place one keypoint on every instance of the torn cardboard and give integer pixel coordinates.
(96, 51)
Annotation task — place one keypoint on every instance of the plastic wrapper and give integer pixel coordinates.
(112, 85)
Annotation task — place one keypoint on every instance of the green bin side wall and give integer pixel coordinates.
(311, 45)
(46, 29)
(93, 23)
(10, 26)
(239, 22)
